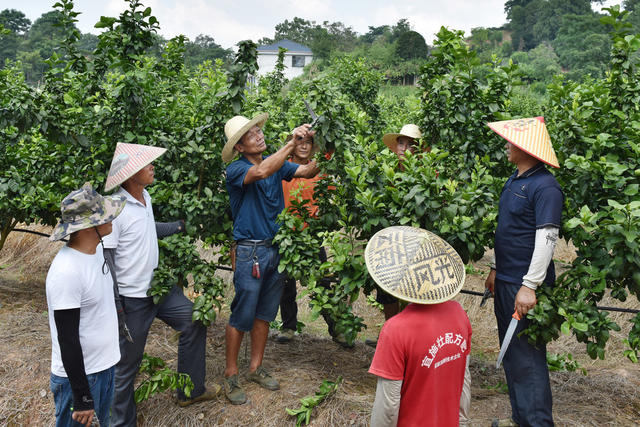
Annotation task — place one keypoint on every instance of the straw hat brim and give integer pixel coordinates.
(154, 153)
(229, 151)
(111, 209)
(414, 265)
(391, 140)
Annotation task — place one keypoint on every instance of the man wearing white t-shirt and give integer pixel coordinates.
(82, 312)
(133, 247)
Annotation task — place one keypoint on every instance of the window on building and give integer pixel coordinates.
(297, 61)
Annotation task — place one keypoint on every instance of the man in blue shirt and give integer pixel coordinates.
(254, 183)
(529, 219)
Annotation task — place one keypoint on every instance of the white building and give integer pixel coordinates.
(296, 57)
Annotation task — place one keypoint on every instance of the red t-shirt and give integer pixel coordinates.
(426, 346)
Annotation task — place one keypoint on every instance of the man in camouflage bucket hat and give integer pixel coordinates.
(82, 312)
(85, 208)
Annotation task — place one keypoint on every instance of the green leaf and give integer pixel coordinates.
(580, 326)
(615, 204)
(105, 22)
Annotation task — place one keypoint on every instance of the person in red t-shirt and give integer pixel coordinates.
(422, 357)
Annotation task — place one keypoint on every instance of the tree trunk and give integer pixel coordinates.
(7, 228)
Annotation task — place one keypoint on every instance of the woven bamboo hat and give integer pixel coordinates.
(409, 130)
(128, 159)
(414, 265)
(530, 135)
(235, 128)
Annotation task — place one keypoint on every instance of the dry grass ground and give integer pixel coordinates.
(608, 395)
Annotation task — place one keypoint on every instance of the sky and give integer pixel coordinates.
(230, 21)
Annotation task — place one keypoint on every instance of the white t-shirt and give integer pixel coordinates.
(136, 243)
(75, 280)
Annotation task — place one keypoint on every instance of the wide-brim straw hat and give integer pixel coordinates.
(414, 265)
(530, 135)
(235, 128)
(128, 159)
(409, 130)
(85, 208)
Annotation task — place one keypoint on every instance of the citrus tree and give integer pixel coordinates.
(364, 188)
(64, 133)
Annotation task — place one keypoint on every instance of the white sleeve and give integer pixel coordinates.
(111, 240)
(63, 287)
(465, 397)
(387, 404)
(545, 244)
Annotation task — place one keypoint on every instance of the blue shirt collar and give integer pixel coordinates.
(528, 172)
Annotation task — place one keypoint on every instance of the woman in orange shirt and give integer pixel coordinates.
(288, 306)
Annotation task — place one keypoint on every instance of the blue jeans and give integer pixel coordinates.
(256, 298)
(101, 387)
(525, 365)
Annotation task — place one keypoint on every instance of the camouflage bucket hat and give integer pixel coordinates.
(414, 265)
(85, 208)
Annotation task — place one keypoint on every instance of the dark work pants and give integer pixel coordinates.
(525, 365)
(175, 310)
(289, 306)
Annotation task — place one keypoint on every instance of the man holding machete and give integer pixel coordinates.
(529, 219)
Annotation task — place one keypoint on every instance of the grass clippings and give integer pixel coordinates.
(608, 395)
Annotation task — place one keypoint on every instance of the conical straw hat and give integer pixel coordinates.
(409, 130)
(414, 265)
(530, 135)
(235, 128)
(129, 159)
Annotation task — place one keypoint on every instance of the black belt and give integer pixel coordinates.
(251, 242)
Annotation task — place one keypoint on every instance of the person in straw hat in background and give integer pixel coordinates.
(399, 143)
(254, 183)
(422, 357)
(133, 249)
(406, 140)
(529, 219)
(82, 312)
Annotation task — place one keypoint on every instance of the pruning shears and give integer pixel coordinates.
(314, 116)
